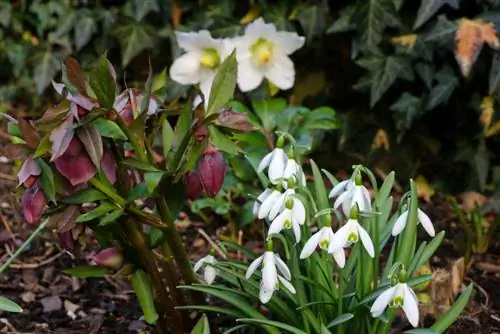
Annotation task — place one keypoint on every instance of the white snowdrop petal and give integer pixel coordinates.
(268, 204)
(269, 273)
(382, 302)
(287, 284)
(400, 223)
(277, 166)
(340, 238)
(265, 294)
(299, 211)
(296, 232)
(310, 245)
(340, 187)
(265, 162)
(410, 306)
(426, 223)
(253, 266)
(210, 274)
(282, 267)
(366, 240)
(344, 197)
(279, 222)
(199, 264)
(339, 256)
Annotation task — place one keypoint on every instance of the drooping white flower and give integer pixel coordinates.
(276, 163)
(274, 271)
(423, 219)
(279, 205)
(324, 239)
(260, 199)
(350, 234)
(209, 271)
(340, 188)
(400, 295)
(293, 170)
(200, 63)
(268, 203)
(263, 52)
(292, 216)
(354, 195)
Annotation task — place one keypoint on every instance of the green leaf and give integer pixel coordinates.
(217, 309)
(428, 251)
(277, 324)
(143, 8)
(85, 196)
(139, 191)
(111, 217)
(408, 238)
(155, 236)
(109, 129)
(223, 85)
(268, 111)
(144, 107)
(407, 109)
(183, 125)
(143, 291)
(152, 180)
(344, 22)
(442, 32)
(9, 306)
(386, 188)
(373, 17)
(140, 165)
(85, 27)
(87, 271)
(134, 38)
(447, 82)
(47, 66)
(430, 7)
(102, 83)
(319, 187)
(452, 314)
(167, 135)
(340, 320)
(313, 20)
(426, 72)
(420, 331)
(99, 211)
(159, 81)
(494, 82)
(202, 326)
(322, 118)
(222, 141)
(92, 141)
(47, 180)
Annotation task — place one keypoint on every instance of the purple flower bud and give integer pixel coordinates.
(110, 258)
(75, 164)
(66, 240)
(212, 171)
(193, 185)
(28, 169)
(108, 164)
(33, 204)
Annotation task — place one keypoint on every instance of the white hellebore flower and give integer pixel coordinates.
(276, 161)
(209, 272)
(400, 223)
(293, 170)
(263, 53)
(199, 64)
(292, 216)
(274, 271)
(350, 234)
(324, 239)
(400, 295)
(352, 195)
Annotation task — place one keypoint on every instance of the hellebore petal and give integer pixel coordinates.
(61, 137)
(249, 76)
(29, 168)
(212, 171)
(75, 164)
(108, 165)
(185, 69)
(281, 71)
(194, 188)
(110, 258)
(33, 204)
(66, 240)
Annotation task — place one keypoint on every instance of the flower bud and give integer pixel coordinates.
(200, 133)
(75, 164)
(33, 204)
(193, 185)
(29, 172)
(212, 171)
(66, 240)
(110, 258)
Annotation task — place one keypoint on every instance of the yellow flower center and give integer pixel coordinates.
(352, 238)
(262, 51)
(324, 243)
(210, 58)
(288, 223)
(396, 302)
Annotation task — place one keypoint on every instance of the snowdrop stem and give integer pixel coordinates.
(285, 136)
(340, 328)
(376, 245)
(359, 272)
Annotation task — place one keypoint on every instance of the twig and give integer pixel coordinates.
(7, 177)
(484, 306)
(212, 243)
(240, 242)
(36, 265)
(489, 267)
(7, 226)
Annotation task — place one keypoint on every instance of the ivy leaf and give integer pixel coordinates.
(344, 22)
(478, 159)
(494, 82)
(470, 37)
(134, 38)
(374, 16)
(394, 67)
(47, 66)
(85, 27)
(426, 72)
(313, 20)
(442, 32)
(143, 8)
(447, 82)
(430, 7)
(407, 109)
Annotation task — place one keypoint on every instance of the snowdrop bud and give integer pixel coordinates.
(110, 258)
(212, 171)
(33, 204)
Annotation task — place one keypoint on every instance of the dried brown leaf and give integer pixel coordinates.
(30, 135)
(75, 74)
(471, 199)
(235, 120)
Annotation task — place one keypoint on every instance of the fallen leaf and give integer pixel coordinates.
(28, 297)
(380, 140)
(51, 303)
(471, 199)
(424, 189)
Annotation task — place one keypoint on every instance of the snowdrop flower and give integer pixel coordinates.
(423, 219)
(279, 205)
(350, 234)
(293, 169)
(340, 187)
(199, 64)
(324, 239)
(275, 161)
(260, 199)
(274, 271)
(356, 194)
(209, 272)
(400, 295)
(268, 203)
(263, 53)
(292, 216)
